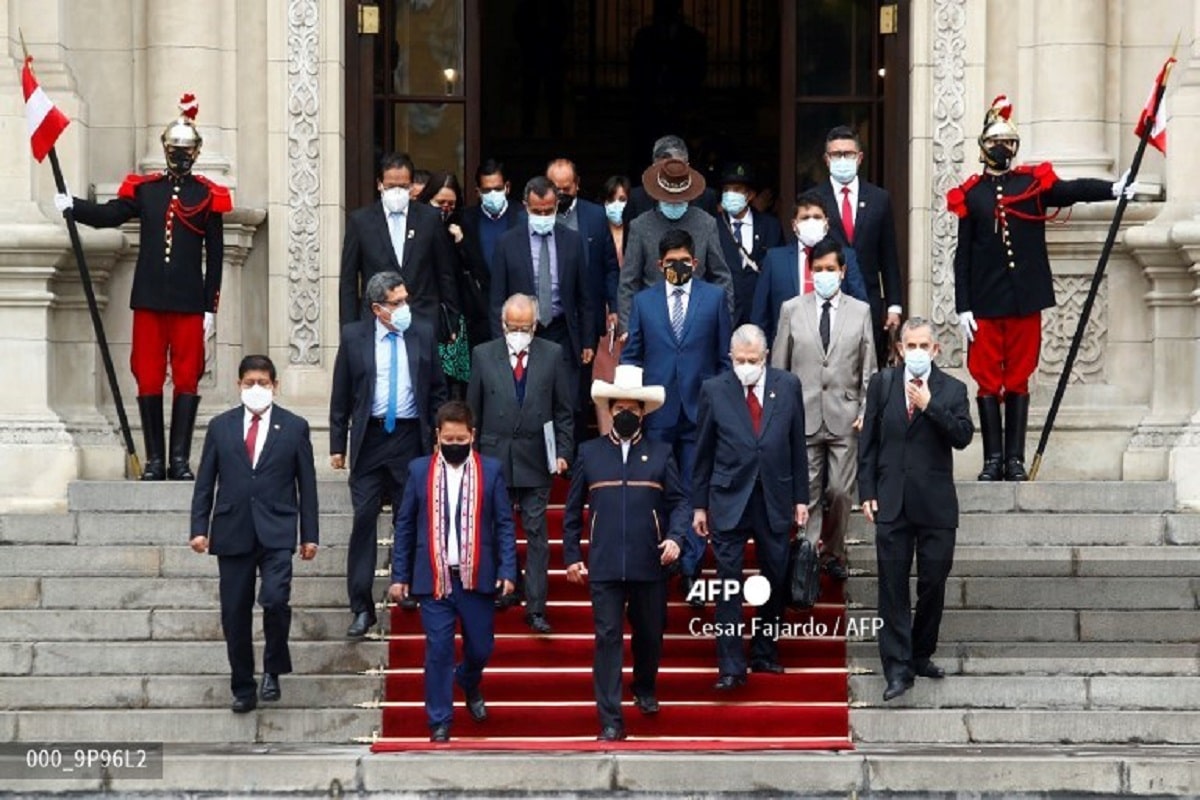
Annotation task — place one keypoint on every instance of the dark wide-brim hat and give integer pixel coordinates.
(672, 181)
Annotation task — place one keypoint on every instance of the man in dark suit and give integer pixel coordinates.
(255, 489)
(638, 514)
(915, 417)
(669, 146)
(751, 479)
(518, 385)
(746, 236)
(392, 235)
(565, 314)
(679, 335)
(860, 216)
(483, 224)
(455, 550)
(387, 380)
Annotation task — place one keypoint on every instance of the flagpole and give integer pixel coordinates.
(1086, 312)
(133, 465)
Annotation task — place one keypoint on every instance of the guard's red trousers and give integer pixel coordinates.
(157, 334)
(1004, 354)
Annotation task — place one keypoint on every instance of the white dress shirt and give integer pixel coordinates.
(625, 443)
(687, 296)
(454, 479)
(264, 425)
(397, 231)
(802, 265)
(909, 378)
(759, 386)
(406, 402)
(834, 302)
(746, 239)
(838, 196)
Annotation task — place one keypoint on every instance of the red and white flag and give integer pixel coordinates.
(1157, 123)
(44, 120)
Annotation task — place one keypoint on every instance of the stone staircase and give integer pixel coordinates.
(1071, 618)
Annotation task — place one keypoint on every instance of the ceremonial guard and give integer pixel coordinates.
(176, 284)
(1002, 279)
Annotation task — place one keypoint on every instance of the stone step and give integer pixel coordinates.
(1049, 496)
(270, 723)
(998, 560)
(182, 593)
(142, 528)
(338, 657)
(160, 624)
(1098, 693)
(1027, 726)
(1050, 658)
(1035, 529)
(191, 692)
(1036, 594)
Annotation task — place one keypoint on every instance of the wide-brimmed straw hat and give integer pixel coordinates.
(627, 385)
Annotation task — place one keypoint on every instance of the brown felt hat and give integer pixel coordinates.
(672, 181)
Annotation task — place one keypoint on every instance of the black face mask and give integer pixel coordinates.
(179, 161)
(455, 454)
(626, 423)
(677, 273)
(998, 156)
(564, 202)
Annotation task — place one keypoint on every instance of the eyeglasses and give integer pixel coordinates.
(842, 154)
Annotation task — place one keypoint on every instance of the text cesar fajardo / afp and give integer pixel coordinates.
(854, 627)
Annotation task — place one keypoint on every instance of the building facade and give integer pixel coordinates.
(297, 97)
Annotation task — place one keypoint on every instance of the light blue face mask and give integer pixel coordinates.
(541, 224)
(673, 211)
(733, 202)
(615, 211)
(494, 202)
(826, 284)
(400, 318)
(843, 170)
(917, 362)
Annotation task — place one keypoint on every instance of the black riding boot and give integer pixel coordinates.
(151, 409)
(183, 422)
(989, 428)
(1016, 419)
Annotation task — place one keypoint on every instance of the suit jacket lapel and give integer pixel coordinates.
(414, 360)
(690, 313)
(793, 274)
(272, 435)
(812, 317)
(835, 209)
(769, 402)
(737, 398)
(839, 324)
(236, 424)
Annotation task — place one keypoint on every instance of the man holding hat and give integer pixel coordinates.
(746, 236)
(671, 184)
(638, 516)
(1002, 279)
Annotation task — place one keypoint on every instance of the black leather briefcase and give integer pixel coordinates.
(804, 573)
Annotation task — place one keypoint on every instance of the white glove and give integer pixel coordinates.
(966, 321)
(63, 201)
(1122, 186)
(210, 323)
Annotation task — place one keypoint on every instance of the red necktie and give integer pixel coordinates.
(808, 280)
(519, 369)
(755, 410)
(847, 215)
(252, 438)
(911, 408)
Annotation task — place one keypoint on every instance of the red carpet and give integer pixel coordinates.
(539, 688)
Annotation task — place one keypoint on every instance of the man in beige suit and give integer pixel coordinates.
(825, 338)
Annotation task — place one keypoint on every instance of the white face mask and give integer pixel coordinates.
(541, 224)
(518, 341)
(748, 374)
(395, 200)
(257, 398)
(811, 230)
(917, 361)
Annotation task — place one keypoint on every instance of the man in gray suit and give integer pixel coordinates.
(672, 184)
(518, 384)
(826, 339)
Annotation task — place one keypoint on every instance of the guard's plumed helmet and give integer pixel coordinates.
(999, 141)
(182, 132)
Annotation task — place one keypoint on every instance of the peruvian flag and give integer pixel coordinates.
(45, 122)
(1156, 122)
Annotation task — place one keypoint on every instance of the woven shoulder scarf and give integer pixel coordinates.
(470, 513)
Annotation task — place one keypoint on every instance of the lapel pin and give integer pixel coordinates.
(411, 233)
(861, 204)
(276, 427)
(645, 458)
(771, 395)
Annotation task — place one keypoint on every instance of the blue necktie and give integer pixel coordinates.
(677, 314)
(389, 421)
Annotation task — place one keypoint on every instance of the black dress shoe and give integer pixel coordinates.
(611, 733)
(476, 705)
(897, 687)
(646, 703)
(440, 733)
(773, 667)
(363, 622)
(928, 669)
(537, 623)
(243, 705)
(836, 570)
(727, 682)
(270, 688)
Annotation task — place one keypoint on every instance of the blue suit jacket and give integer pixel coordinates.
(265, 503)
(411, 562)
(780, 282)
(633, 506)
(512, 272)
(767, 235)
(680, 366)
(730, 457)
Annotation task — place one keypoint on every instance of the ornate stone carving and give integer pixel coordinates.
(949, 107)
(304, 183)
(1058, 327)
